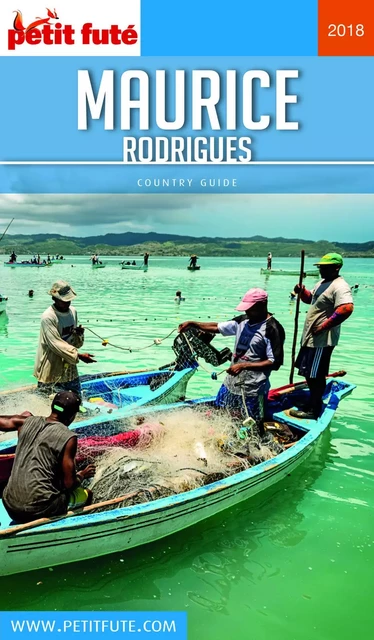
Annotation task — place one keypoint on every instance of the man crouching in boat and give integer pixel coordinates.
(258, 350)
(44, 481)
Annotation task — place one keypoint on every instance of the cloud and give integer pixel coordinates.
(316, 216)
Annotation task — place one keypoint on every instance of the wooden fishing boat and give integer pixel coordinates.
(285, 272)
(75, 537)
(135, 267)
(197, 268)
(98, 266)
(24, 264)
(108, 398)
(3, 301)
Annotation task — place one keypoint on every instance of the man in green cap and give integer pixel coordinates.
(331, 303)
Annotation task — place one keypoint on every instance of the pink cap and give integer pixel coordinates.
(251, 297)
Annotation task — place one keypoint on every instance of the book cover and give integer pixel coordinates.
(186, 303)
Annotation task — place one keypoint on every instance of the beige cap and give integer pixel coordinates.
(62, 291)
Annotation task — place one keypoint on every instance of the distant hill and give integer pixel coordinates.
(164, 244)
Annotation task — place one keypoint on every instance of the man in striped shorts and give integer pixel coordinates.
(331, 303)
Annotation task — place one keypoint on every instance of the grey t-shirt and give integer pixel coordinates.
(253, 343)
(36, 478)
(326, 297)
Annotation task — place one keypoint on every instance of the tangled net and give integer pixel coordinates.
(172, 452)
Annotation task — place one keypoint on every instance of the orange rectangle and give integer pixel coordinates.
(345, 28)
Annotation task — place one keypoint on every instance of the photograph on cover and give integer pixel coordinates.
(186, 341)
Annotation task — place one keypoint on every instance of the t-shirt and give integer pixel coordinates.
(253, 343)
(326, 296)
(57, 355)
(36, 480)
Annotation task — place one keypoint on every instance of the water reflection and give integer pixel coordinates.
(4, 321)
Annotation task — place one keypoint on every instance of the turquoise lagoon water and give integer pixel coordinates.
(295, 561)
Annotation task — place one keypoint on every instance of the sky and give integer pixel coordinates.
(340, 217)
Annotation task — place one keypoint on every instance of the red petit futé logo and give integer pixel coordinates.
(49, 31)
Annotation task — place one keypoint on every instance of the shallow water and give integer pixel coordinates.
(296, 561)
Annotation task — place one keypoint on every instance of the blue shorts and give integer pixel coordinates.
(256, 405)
(314, 362)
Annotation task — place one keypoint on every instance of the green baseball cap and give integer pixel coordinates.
(330, 258)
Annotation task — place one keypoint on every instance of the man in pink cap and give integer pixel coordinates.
(258, 350)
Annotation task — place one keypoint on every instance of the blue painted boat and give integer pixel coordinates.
(77, 537)
(109, 398)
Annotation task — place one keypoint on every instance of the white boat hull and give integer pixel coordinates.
(134, 526)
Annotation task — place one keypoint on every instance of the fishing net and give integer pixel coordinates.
(105, 393)
(170, 452)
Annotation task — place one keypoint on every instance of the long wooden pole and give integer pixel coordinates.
(296, 326)
(6, 229)
(6, 533)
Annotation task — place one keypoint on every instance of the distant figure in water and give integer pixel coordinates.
(133, 263)
(178, 297)
(31, 293)
(354, 288)
(146, 258)
(292, 295)
(270, 257)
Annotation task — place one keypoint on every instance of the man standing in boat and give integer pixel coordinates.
(270, 257)
(193, 261)
(146, 258)
(331, 303)
(258, 351)
(44, 481)
(60, 338)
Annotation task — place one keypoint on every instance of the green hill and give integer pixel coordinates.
(174, 245)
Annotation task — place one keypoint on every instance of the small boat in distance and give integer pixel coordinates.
(285, 272)
(25, 264)
(197, 268)
(134, 267)
(98, 266)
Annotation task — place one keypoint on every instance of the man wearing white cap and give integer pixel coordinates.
(258, 351)
(60, 338)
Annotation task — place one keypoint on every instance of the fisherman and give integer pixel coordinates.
(38, 260)
(48, 258)
(258, 351)
(133, 263)
(331, 304)
(193, 261)
(146, 258)
(13, 257)
(94, 259)
(270, 257)
(354, 288)
(31, 293)
(60, 338)
(178, 297)
(44, 481)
